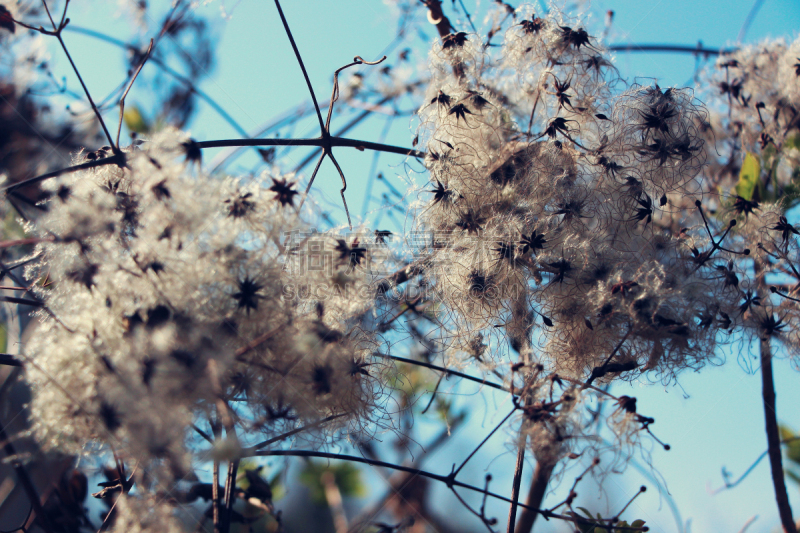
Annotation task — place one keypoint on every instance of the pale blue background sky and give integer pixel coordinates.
(713, 420)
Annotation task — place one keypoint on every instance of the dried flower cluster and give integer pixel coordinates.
(756, 129)
(569, 226)
(166, 296)
(572, 243)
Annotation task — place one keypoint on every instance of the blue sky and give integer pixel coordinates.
(713, 419)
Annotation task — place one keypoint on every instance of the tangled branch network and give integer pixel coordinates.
(568, 247)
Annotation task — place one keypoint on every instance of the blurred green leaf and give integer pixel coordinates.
(275, 484)
(791, 192)
(3, 338)
(792, 140)
(748, 177)
(12, 229)
(346, 475)
(792, 447)
(582, 526)
(135, 121)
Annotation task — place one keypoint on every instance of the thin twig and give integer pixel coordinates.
(443, 369)
(675, 48)
(447, 480)
(57, 30)
(119, 159)
(290, 433)
(373, 462)
(729, 485)
(302, 65)
(133, 79)
(478, 447)
(512, 511)
(770, 417)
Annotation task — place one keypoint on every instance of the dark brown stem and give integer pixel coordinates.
(112, 160)
(672, 48)
(512, 512)
(436, 16)
(230, 490)
(770, 415)
(8, 359)
(773, 438)
(316, 141)
(215, 497)
(119, 159)
(21, 301)
(448, 480)
(541, 478)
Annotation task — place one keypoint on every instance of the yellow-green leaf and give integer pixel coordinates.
(748, 177)
(135, 121)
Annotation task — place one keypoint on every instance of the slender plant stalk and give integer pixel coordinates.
(512, 512)
(773, 438)
(541, 478)
(770, 416)
(671, 48)
(215, 497)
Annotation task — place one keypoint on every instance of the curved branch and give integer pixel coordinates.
(302, 65)
(111, 160)
(448, 480)
(730, 485)
(334, 141)
(445, 370)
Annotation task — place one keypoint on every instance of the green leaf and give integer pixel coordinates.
(637, 523)
(785, 432)
(792, 140)
(792, 447)
(748, 177)
(346, 476)
(3, 337)
(135, 121)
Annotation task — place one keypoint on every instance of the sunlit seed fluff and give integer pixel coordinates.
(158, 276)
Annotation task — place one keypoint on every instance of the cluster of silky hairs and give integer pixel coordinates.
(551, 214)
(754, 130)
(164, 288)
